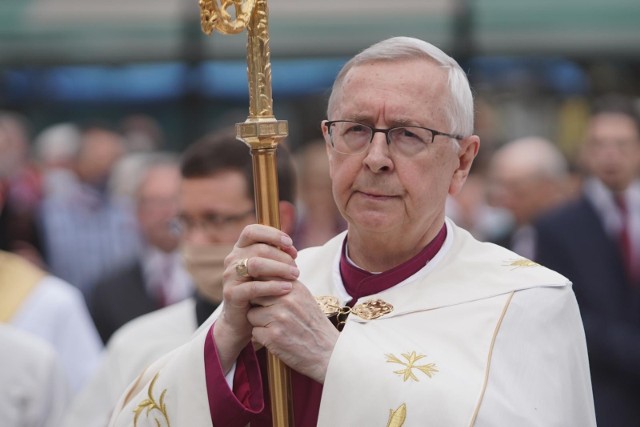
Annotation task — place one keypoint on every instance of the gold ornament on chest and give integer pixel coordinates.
(368, 310)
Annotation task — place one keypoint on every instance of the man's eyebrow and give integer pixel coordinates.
(393, 123)
(360, 118)
(404, 122)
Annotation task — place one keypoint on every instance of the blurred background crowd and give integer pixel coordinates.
(99, 101)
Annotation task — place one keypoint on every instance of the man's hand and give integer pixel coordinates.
(293, 328)
(271, 271)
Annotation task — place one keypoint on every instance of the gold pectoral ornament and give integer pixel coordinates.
(368, 310)
(262, 133)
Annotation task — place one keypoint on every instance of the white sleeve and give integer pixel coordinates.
(539, 374)
(230, 375)
(56, 312)
(33, 388)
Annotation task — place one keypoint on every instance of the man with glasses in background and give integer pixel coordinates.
(404, 311)
(214, 203)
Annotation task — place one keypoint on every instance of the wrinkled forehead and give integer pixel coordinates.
(399, 85)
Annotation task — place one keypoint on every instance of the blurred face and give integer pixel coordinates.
(157, 205)
(12, 150)
(99, 151)
(212, 212)
(395, 199)
(523, 193)
(215, 209)
(612, 150)
(6, 158)
(315, 183)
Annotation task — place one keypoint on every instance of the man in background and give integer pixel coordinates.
(156, 277)
(215, 204)
(527, 177)
(595, 241)
(35, 301)
(87, 233)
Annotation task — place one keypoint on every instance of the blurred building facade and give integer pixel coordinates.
(534, 66)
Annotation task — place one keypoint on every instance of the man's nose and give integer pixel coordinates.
(199, 236)
(378, 156)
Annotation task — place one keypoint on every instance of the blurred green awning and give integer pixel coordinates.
(118, 31)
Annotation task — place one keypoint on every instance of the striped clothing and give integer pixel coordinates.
(87, 235)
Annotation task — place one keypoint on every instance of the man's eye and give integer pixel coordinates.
(408, 133)
(212, 219)
(416, 135)
(357, 129)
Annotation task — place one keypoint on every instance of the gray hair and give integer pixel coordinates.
(130, 171)
(460, 106)
(57, 143)
(536, 155)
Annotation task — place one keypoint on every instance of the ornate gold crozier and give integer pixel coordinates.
(262, 133)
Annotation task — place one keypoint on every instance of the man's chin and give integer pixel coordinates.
(373, 222)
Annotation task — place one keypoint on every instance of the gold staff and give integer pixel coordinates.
(262, 133)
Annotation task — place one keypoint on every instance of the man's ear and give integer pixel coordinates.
(288, 217)
(468, 150)
(327, 140)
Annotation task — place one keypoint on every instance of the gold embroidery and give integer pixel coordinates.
(372, 309)
(428, 369)
(367, 310)
(397, 417)
(522, 262)
(150, 404)
(329, 305)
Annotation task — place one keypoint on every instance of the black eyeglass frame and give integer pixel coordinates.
(434, 132)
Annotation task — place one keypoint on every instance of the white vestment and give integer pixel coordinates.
(130, 350)
(479, 337)
(56, 312)
(33, 389)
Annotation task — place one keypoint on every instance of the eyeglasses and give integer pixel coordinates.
(348, 137)
(210, 223)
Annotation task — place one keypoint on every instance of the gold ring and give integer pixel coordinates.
(242, 268)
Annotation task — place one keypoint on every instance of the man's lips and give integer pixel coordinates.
(375, 195)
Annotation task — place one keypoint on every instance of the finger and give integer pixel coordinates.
(262, 250)
(269, 269)
(250, 269)
(259, 260)
(270, 236)
(269, 326)
(243, 293)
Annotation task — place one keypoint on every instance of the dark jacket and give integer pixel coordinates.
(572, 240)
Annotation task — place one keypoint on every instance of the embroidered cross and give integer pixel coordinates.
(410, 364)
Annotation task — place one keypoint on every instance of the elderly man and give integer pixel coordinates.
(443, 330)
(156, 278)
(527, 177)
